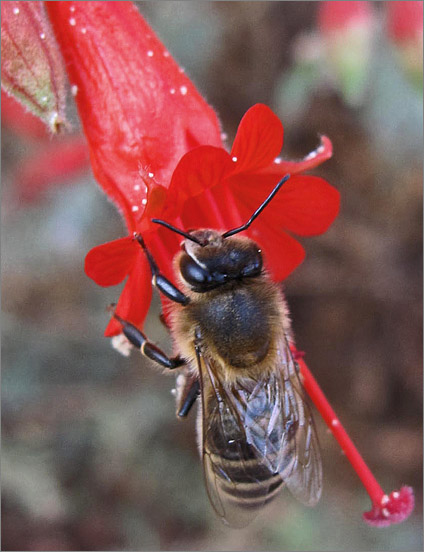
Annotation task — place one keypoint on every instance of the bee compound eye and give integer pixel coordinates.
(193, 273)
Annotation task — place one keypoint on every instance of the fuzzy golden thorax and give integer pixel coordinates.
(240, 320)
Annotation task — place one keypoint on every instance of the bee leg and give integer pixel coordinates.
(147, 348)
(190, 398)
(159, 281)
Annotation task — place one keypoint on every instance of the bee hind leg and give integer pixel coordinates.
(137, 338)
(189, 399)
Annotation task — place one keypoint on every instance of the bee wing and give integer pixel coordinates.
(257, 435)
(231, 465)
(302, 471)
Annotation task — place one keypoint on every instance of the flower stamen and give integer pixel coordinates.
(386, 509)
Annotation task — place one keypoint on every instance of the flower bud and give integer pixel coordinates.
(405, 29)
(32, 69)
(347, 30)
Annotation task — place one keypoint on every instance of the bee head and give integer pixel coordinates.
(210, 259)
(216, 260)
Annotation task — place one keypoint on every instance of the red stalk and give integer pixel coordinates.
(386, 509)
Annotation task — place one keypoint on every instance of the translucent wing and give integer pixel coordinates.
(257, 435)
(238, 482)
(304, 478)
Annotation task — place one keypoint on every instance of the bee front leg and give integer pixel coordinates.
(158, 279)
(147, 348)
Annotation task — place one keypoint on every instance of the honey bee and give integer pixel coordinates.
(232, 331)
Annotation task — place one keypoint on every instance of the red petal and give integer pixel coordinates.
(54, 165)
(108, 264)
(134, 302)
(305, 205)
(259, 139)
(139, 111)
(394, 508)
(203, 212)
(198, 170)
(281, 167)
(32, 69)
(164, 244)
(282, 253)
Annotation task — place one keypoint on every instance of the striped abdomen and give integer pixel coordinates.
(244, 459)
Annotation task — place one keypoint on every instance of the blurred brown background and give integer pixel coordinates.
(93, 456)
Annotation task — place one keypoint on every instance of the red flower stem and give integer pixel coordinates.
(311, 386)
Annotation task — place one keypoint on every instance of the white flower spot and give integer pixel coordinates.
(234, 159)
(144, 201)
(150, 53)
(44, 99)
(134, 208)
(395, 494)
(72, 9)
(74, 90)
(385, 500)
(137, 187)
(172, 91)
(385, 512)
(277, 160)
(183, 90)
(151, 175)
(334, 422)
(16, 11)
(43, 36)
(181, 69)
(83, 30)
(166, 53)
(72, 21)
(224, 136)
(311, 155)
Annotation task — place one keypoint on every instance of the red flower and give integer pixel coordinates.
(211, 188)
(140, 112)
(141, 117)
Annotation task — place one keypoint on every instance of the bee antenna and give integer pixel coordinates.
(258, 210)
(178, 231)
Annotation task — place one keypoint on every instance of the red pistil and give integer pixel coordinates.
(386, 509)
